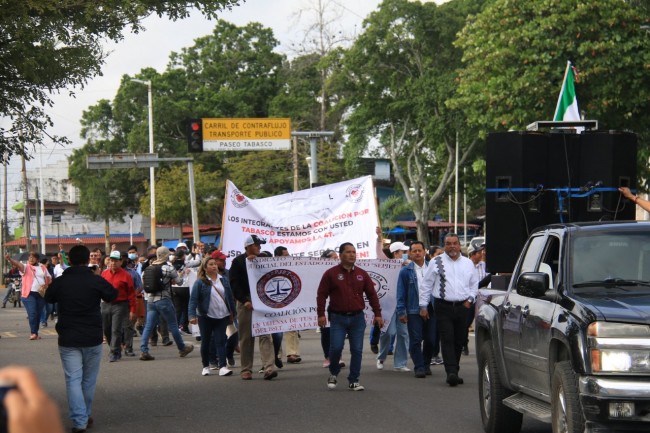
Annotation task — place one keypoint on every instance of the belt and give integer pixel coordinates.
(453, 303)
(346, 313)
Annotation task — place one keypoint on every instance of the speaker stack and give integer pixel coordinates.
(537, 176)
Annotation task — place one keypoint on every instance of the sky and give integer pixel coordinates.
(152, 47)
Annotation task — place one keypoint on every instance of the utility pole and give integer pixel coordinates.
(37, 201)
(26, 223)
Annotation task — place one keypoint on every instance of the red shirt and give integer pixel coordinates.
(123, 283)
(345, 288)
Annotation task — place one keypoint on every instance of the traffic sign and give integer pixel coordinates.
(246, 134)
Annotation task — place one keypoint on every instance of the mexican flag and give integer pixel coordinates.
(567, 103)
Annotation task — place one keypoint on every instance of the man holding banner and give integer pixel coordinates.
(345, 285)
(242, 293)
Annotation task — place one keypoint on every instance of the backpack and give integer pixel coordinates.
(152, 279)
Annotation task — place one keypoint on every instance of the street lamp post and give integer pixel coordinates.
(152, 183)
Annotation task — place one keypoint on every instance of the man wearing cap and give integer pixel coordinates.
(241, 290)
(117, 314)
(160, 304)
(475, 254)
(396, 330)
(183, 261)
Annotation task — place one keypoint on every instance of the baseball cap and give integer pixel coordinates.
(217, 254)
(252, 239)
(162, 254)
(398, 246)
(115, 255)
(181, 244)
(472, 249)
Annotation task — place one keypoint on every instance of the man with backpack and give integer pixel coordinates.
(157, 279)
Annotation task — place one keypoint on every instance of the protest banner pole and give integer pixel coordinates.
(223, 214)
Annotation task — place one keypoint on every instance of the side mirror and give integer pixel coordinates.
(533, 284)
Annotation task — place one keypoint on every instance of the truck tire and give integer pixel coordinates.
(565, 400)
(496, 417)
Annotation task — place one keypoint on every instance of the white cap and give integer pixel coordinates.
(398, 246)
(252, 239)
(181, 244)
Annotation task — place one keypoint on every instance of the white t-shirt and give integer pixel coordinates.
(218, 308)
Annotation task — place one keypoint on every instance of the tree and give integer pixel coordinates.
(397, 77)
(104, 194)
(50, 45)
(515, 54)
(173, 197)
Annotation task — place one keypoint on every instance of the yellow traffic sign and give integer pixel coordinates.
(246, 134)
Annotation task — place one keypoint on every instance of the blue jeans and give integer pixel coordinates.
(213, 331)
(34, 304)
(354, 327)
(47, 311)
(422, 330)
(81, 368)
(165, 309)
(398, 330)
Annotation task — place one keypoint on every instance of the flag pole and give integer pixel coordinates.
(564, 81)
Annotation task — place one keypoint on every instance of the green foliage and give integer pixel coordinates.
(397, 78)
(515, 55)
(173, 197)
(49, 45)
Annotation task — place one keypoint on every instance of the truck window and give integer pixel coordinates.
(550, 261)
(533, 252)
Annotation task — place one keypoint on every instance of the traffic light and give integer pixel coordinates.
(194, 136)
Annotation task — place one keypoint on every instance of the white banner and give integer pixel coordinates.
(283, 291)
(306, 222)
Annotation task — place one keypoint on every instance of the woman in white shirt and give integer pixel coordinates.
(212, 306)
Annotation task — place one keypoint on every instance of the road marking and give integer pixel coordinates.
(9, 334)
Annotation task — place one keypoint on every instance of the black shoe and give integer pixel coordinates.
(374, 348)
(460, 381)
(427, 370)
(390, 352)
(167, 342)
(129, 353)
(420, 374)
(278, 363)
(452, 379)
(466, 351)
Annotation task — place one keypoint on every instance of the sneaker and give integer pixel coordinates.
(374, 348)
(144, 356)
(326, 363)
(270, 374)
(44, 325)
(185, 331)
(331, 382)
(427, 370)
(205, 371)
(213, 367)
(380, 364)
(129, 353)
(356, 386)
(112, 357)
(341, 364)
(403, 369)
(225, 371)
(437, 361)
(231, 361)
(261, 371)
(167, 342)
(186, 350)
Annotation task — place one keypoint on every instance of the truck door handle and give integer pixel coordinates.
(506, 307)
(526, 311)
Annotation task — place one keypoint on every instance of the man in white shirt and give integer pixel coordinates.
(451, 280)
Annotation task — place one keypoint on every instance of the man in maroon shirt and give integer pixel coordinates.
(116, 314)
(345, 285)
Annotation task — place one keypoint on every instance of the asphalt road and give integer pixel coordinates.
(170, 395)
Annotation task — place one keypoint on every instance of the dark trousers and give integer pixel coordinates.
(452, 324)
(422, 331)
(181, 298)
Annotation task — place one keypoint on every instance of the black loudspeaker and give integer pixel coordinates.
(515, 160)
(552, 164)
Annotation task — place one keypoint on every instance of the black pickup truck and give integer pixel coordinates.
(568, 342)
